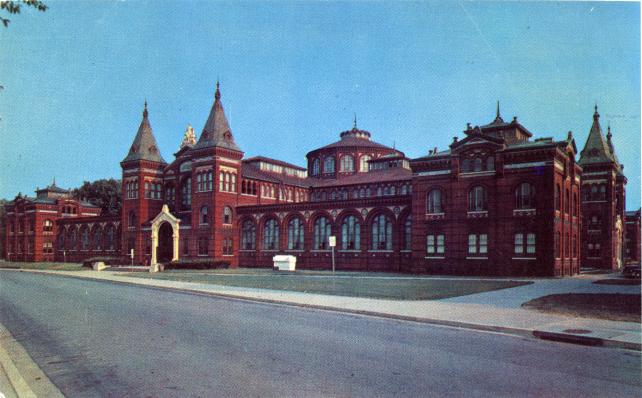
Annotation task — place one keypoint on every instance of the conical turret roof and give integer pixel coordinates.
(217, 132)
(144, 146)
(596, 149)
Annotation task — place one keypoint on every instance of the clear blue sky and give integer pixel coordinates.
(293, 73)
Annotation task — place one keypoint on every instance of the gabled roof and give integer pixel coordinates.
(144, 146)
(216, 132)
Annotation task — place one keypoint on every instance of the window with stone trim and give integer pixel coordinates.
(186, 193)
(381, 233)
(477, 199)
(271, 235)
(407, 233)
(478, 244)
(525, 196)
(315, 167)
(204, 215)
(435, 244)
(248, 235)
(228, 249)
(363, 163)
(329, 164)
(227, 215)
(47, 226)
(321, 231)
(295, 234)
(347, 163)
(434, 202)
(525, 243)
(350, 233)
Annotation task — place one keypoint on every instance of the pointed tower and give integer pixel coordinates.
(603, 200)
(142, 190)
(215, 179)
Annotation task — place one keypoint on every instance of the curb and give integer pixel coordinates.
(543, 335)
(17, 364)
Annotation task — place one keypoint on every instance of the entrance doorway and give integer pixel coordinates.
(165, 243)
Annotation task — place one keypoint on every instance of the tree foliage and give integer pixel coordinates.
(13, 7)
(102, 193)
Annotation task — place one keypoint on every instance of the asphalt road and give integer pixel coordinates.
(103, 339)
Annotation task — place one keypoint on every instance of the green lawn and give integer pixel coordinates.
(353, 284)
(611, 306)
(42, 266)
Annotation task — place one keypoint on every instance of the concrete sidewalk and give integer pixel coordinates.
(498, 310)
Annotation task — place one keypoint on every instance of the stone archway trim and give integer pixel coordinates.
(164, 216)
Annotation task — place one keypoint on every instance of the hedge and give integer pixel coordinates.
(198, 263)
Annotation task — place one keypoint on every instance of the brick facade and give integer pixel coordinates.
(496, 202)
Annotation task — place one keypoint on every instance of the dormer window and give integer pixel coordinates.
(477, 162)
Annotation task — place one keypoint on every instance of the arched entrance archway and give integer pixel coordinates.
(164, 227)
(164, 250)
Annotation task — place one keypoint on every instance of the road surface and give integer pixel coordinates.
(104, 339)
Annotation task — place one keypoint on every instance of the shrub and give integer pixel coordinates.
(198, 263)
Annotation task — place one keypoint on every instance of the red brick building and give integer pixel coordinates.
(496, 202)
(632, 237)
(603, 201)
(33, 225)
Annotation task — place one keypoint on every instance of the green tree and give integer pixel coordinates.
(102, 193)
(13, 7)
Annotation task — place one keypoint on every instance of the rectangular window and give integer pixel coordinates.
(202, 246)
(483, 243)
(472, 244)
(430, 244)
(530, 243)
(519, 243)
(185, 247)
(441, 244)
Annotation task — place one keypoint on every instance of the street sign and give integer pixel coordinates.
(332, 241)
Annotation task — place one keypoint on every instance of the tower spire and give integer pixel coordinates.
(217, 95)
(145, 113)
(596, 115)
(354, 125)
(498, 116)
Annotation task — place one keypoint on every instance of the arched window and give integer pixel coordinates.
(204, 215)
(47, 226)
(567, 201)
(84, 239)
(322, 230)
(132, 219)
(363, 163)
(576, 204)
(315, 167)
(477, 199)
(109, 245)
(347, 163)
(186, 193)
(433, 202)
(98, 237)
(295, 234)
(381, 233)
(248, 235)
(227, 215)
(602, 195)
(558, 197)
(271, 235)
(72, 238)
(407, 233)
(328, 165)
(465, 165)
(350, 234)
(525, 196)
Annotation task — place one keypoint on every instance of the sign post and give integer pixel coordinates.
(131, 254)
(332, 242)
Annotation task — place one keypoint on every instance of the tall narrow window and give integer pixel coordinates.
(347, 163)
(477, 200)
(295, 234)
(271, 235)
(363, 163)
(203, 246)
(248, 235)
(227, 215)
(328, 164)
(186, 193)
(525, 196)
(350, 234)
(407, 233)
(433, 202)
(558, 197)
(315, 167)
(205, 216)
(381, 233)
(97, 238)
(132, 220)
(322, 230)
(47, 226)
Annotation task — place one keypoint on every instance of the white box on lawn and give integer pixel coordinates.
(284, 263)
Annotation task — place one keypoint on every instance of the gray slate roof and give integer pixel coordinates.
(144, 146)
(596, 149)
(217, 132)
